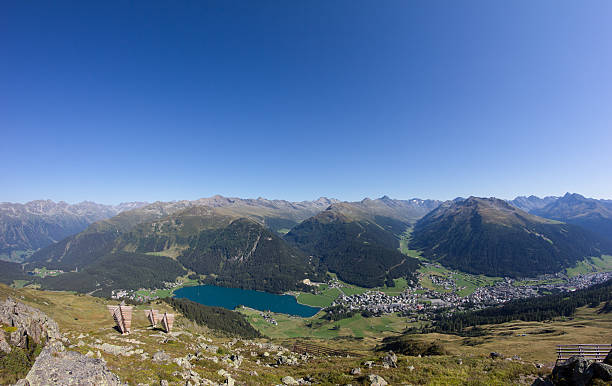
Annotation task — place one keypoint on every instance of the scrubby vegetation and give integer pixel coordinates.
(16, 364)
(216, 318)
(408, 345)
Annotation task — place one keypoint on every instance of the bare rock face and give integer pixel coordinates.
(29, 321)
(56, 366)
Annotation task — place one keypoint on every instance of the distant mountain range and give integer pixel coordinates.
(238, 242)
(490, 236)
(532, 202)
(572, 208)
(232, 241)
(36, 224)
(274, 245)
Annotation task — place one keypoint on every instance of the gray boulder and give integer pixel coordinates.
(599, 371)
(56, 366)
(289, 381)
(390, 359)
(4, 346)
(571, 372)
(376, 380)
(161, 356)
(578, 371)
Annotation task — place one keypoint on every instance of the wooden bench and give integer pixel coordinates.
(596, 352)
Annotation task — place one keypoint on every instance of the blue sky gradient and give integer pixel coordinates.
(121, 101)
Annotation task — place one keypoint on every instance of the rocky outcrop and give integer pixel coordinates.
(4, 346)
(30, 323)
(390, 360)
(376, 380)
(56, 366)
(577, 371)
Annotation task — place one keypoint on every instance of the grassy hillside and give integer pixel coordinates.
(86, 322)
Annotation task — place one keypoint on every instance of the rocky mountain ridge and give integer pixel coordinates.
(36, 224)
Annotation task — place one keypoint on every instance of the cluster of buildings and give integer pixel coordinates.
(420, 300)
(268, 318)
(143, 294)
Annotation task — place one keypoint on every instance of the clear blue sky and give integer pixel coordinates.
(157, 100)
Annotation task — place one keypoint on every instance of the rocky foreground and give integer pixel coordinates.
(54, 365)
(85, 355)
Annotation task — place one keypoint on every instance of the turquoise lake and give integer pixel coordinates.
(230, 298)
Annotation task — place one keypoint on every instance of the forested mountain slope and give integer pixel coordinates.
(489, 236)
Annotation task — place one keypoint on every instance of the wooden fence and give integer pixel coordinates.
(596, 352)
(303, 348)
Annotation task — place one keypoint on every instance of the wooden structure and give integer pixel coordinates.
(167, 321)
(153, 316)
(123, 317)
(309, 348)
(596, 352)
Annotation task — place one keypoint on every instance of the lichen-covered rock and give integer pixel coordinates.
(114, 349)
(4, 346)
(56, 366)
(376, 380)
(30, 323)
(390, 359)
(161, 356)
(289, 381)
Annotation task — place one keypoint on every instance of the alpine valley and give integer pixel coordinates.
(386, 278)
